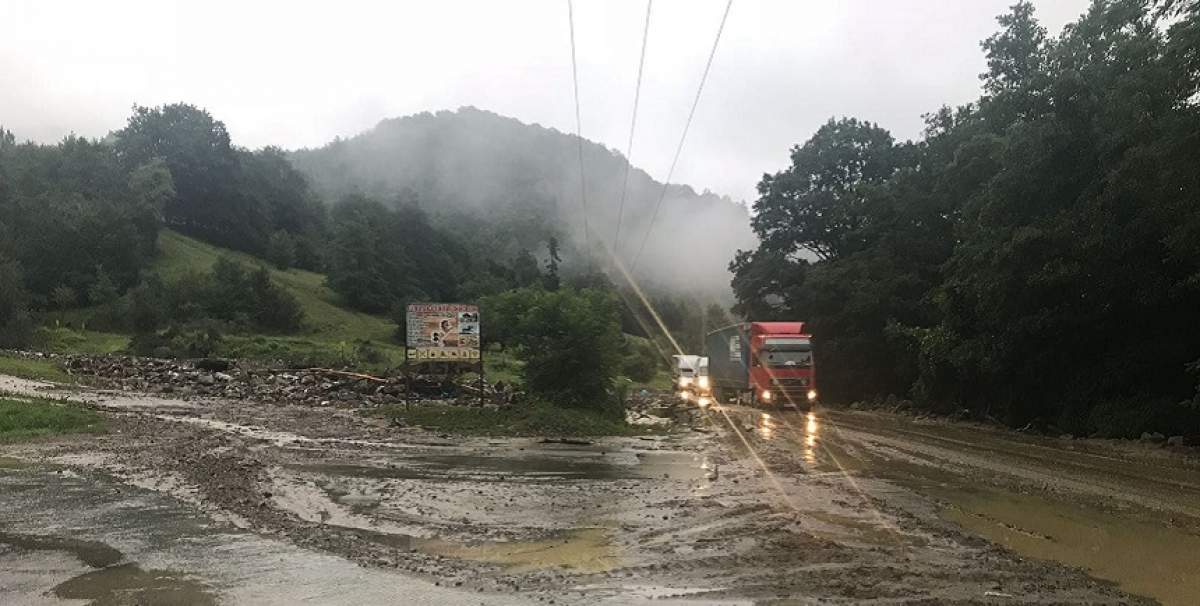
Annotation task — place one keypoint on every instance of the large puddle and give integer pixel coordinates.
(1145, 552)
(1146, 559)
(362, 496)
(81, 538)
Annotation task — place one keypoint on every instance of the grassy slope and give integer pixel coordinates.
(326, 318)
(331, 329)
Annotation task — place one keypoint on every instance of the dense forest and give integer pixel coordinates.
(1034, 257)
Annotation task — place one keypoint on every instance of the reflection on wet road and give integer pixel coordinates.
(1129, 516)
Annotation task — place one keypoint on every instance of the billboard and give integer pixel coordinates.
(442, 332)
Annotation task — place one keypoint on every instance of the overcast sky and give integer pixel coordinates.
(296, 74)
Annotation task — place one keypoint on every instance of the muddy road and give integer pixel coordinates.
(219, 502)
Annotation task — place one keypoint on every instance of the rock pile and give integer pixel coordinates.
(224, 379)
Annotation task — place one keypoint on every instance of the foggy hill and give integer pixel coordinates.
(472, 164)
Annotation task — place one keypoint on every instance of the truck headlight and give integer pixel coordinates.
(766, 395)
(702, 382)
(685, 381)
(812, 395)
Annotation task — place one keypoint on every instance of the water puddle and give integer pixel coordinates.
(129, 585)
(1146, 559)
(92, 553)
(112, 583)
(584, 550)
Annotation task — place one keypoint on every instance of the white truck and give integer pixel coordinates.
(691, 376)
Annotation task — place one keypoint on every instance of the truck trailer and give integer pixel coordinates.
(763, 363)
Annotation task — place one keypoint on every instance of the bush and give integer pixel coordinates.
(195, 340)
(641, 360)
(570, 341)
(1129, 417)
(281, 250)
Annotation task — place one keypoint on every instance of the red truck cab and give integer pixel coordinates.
(764, 362)
(782, 368)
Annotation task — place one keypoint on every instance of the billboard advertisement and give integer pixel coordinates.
(442, 332)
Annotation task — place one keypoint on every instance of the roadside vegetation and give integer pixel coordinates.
(26, 418)
(33, 368)
(1034, 257)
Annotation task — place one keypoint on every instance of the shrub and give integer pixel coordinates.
(641, 360)
(195, 340)
(570, 341)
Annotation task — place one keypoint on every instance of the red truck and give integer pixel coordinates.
(769, 363)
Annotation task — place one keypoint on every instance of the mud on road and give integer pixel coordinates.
(237, 502)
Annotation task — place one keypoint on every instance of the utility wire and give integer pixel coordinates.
(679, 149)
(637, 93)
(587, 238)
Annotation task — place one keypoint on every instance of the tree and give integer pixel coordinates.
(281, 250)
(16, 326)
(570, 341)
(64, 297)
(551, 280)
(204, 170)
(525, 269)
(67, 208)
(274, 308)
(153, 190)
(102, 291)
(817, 205)
(381, 257)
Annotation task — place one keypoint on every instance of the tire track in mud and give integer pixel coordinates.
(1058, 470)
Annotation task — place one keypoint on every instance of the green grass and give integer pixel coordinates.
(327, 320)
(332, 334)
(524, 420)
(502, 366)
(32, 368)
(70, 340)
(22, 419)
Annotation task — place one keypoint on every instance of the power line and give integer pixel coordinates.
(587, 238)
(679, 149)
(637, 93)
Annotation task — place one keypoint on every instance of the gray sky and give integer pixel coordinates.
(297, 73)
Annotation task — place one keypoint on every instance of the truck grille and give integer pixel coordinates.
(790, 382)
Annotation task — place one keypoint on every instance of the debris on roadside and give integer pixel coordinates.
(215, 378)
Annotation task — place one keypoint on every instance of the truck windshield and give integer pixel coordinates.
(776, 358)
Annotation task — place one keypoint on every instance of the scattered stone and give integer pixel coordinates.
(1153, 437)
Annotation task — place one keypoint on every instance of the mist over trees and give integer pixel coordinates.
(514, 186)
(1034, 256)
